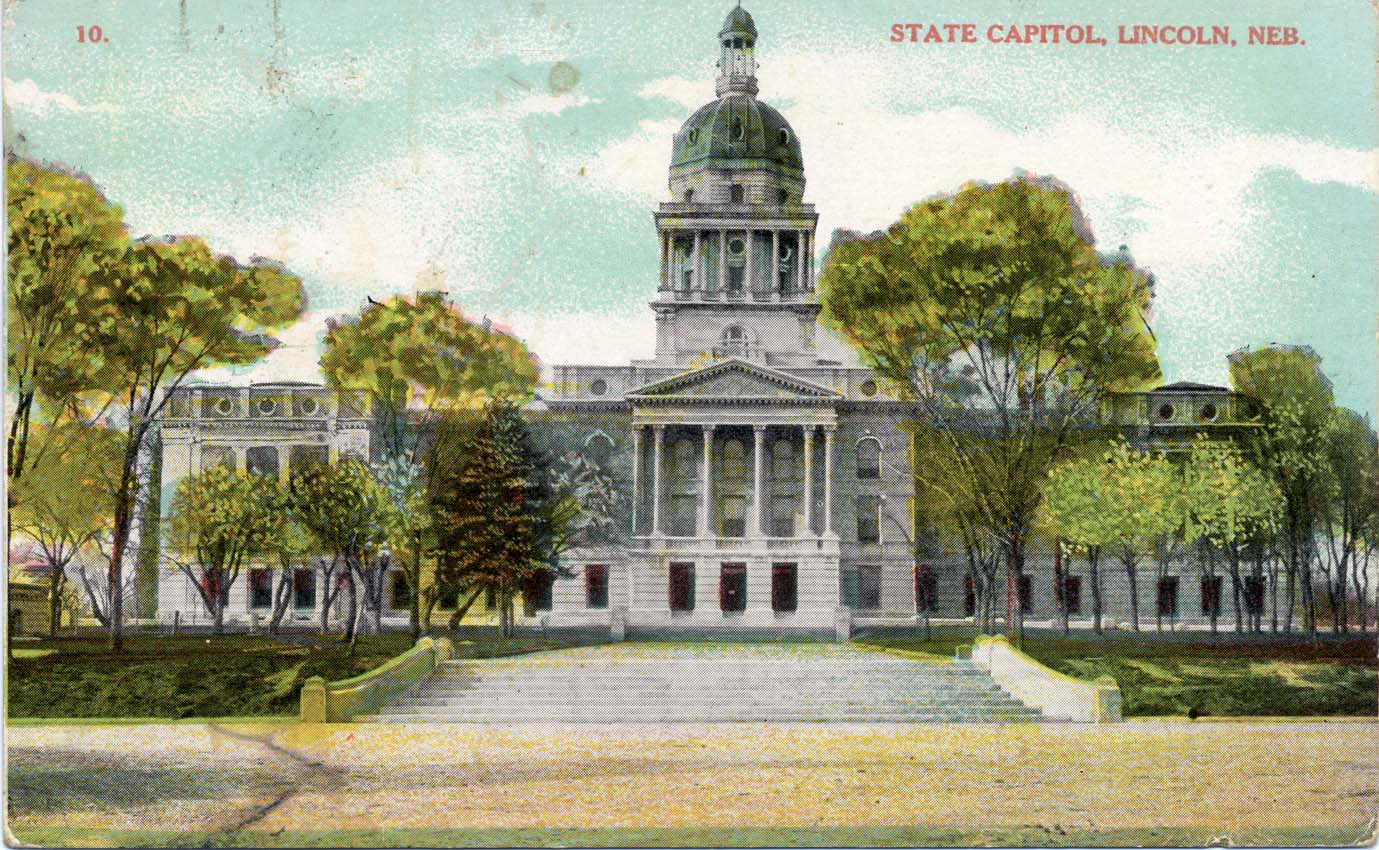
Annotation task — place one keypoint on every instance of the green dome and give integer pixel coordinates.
(737, 127)
(739, 23)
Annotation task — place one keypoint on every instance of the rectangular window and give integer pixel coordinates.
(969, 596)
(733, 522)
(262, 460)
(683, 515)
(1168, 596)
(735, 194)
(862, 587)
(536, 592)
(401, 591)
(1026, 592)
(926, 588)
(732, 587)
(784, 587)
(682, 587)
(596, 586)
(260, 588)
(782, 516)
(736, 275)
(304, 589)
(1254, 595)
(868, 519)
(1072, 594)
(1211, 595)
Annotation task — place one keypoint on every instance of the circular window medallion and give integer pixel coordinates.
(599, 386)
(1207, 413)
(224, 406)
(736, 246)
(868, 388)
(308, 407)
(1165, 411)
(267, 406)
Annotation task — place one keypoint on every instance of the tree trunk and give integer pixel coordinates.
(461, 610)
(1094, 578)
(219, 615)
(1233, 564)
(1060, 595)
(56, 579)
(1132, 575)
(352, 598)
(415, 580)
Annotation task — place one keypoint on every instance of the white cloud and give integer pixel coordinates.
(543, 104)
(296, 358)
(26, 96)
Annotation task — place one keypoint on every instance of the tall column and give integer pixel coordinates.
(698, 264)
(665, 260)
(758, 473)
(659, 432)
(706, 508)
(748, 272)
(723, 263)
(636, 473)
(799, 261)
(775, 265)
(808, 480)
(828, 481)
(806, 258)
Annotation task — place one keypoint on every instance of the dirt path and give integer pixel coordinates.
(1055, 777)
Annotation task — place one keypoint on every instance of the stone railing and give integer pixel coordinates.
(1056, 695)
(343, 701)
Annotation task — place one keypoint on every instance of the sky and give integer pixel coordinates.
(516, 150)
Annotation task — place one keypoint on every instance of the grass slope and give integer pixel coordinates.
(160, 676)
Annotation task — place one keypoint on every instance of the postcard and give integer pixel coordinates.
(569, 423)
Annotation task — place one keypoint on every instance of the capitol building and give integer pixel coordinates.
(768, 478)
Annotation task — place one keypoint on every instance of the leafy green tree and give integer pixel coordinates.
(219, 519)
(1296, 406)
(63, 504)
(994, 311)
(1228, 503)
(1081, 511)
(62, 234)
(348, 515)
(165, 311)
(1144, 505)
(415, 357)
(1346, 512)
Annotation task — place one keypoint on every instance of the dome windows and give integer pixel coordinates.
(308, 406)
(736, 246)
(694, 135)
(739, 130)
(783, 135)
(598, 387)
(267, 407)
(1207, 413)
(1166, 412)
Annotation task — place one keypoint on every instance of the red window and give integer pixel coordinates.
(1168, 596)
(732, 587)
(1072, 594)
(682, 587)
(596, 585)
(969, 597)
(784, 587)
(260, 588)
(210, 585)
(926, 588)
(1254, 594)
(1211, 595)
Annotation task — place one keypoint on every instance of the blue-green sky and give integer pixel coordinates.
(366, 144)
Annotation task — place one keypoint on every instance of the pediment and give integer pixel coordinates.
(733, 380)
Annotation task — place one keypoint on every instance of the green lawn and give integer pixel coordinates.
(856, 836)
(160, 676)
(1198, 674)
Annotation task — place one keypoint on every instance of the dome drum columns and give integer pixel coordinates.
(733, 263)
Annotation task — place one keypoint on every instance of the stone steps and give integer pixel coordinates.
(729, 684)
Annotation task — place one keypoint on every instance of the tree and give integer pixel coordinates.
(423, 365)
(994, 312)
(63, 234)
(1081, 511)
(348, 514)
(1296, 405)
(219, 519)
(63, 504)
(1346, 511)
(165, 311)
(485, 523)
(1227, 504)
(1144, 505)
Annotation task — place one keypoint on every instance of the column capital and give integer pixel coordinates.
(709, 429)
(658, 428)
(759, 427)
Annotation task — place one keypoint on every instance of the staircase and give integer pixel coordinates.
(647, 683)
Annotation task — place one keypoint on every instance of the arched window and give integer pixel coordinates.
(868, 458)
(734, 339)
(733, 466)
(782, 460)
(598, 449)
(682, 461)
